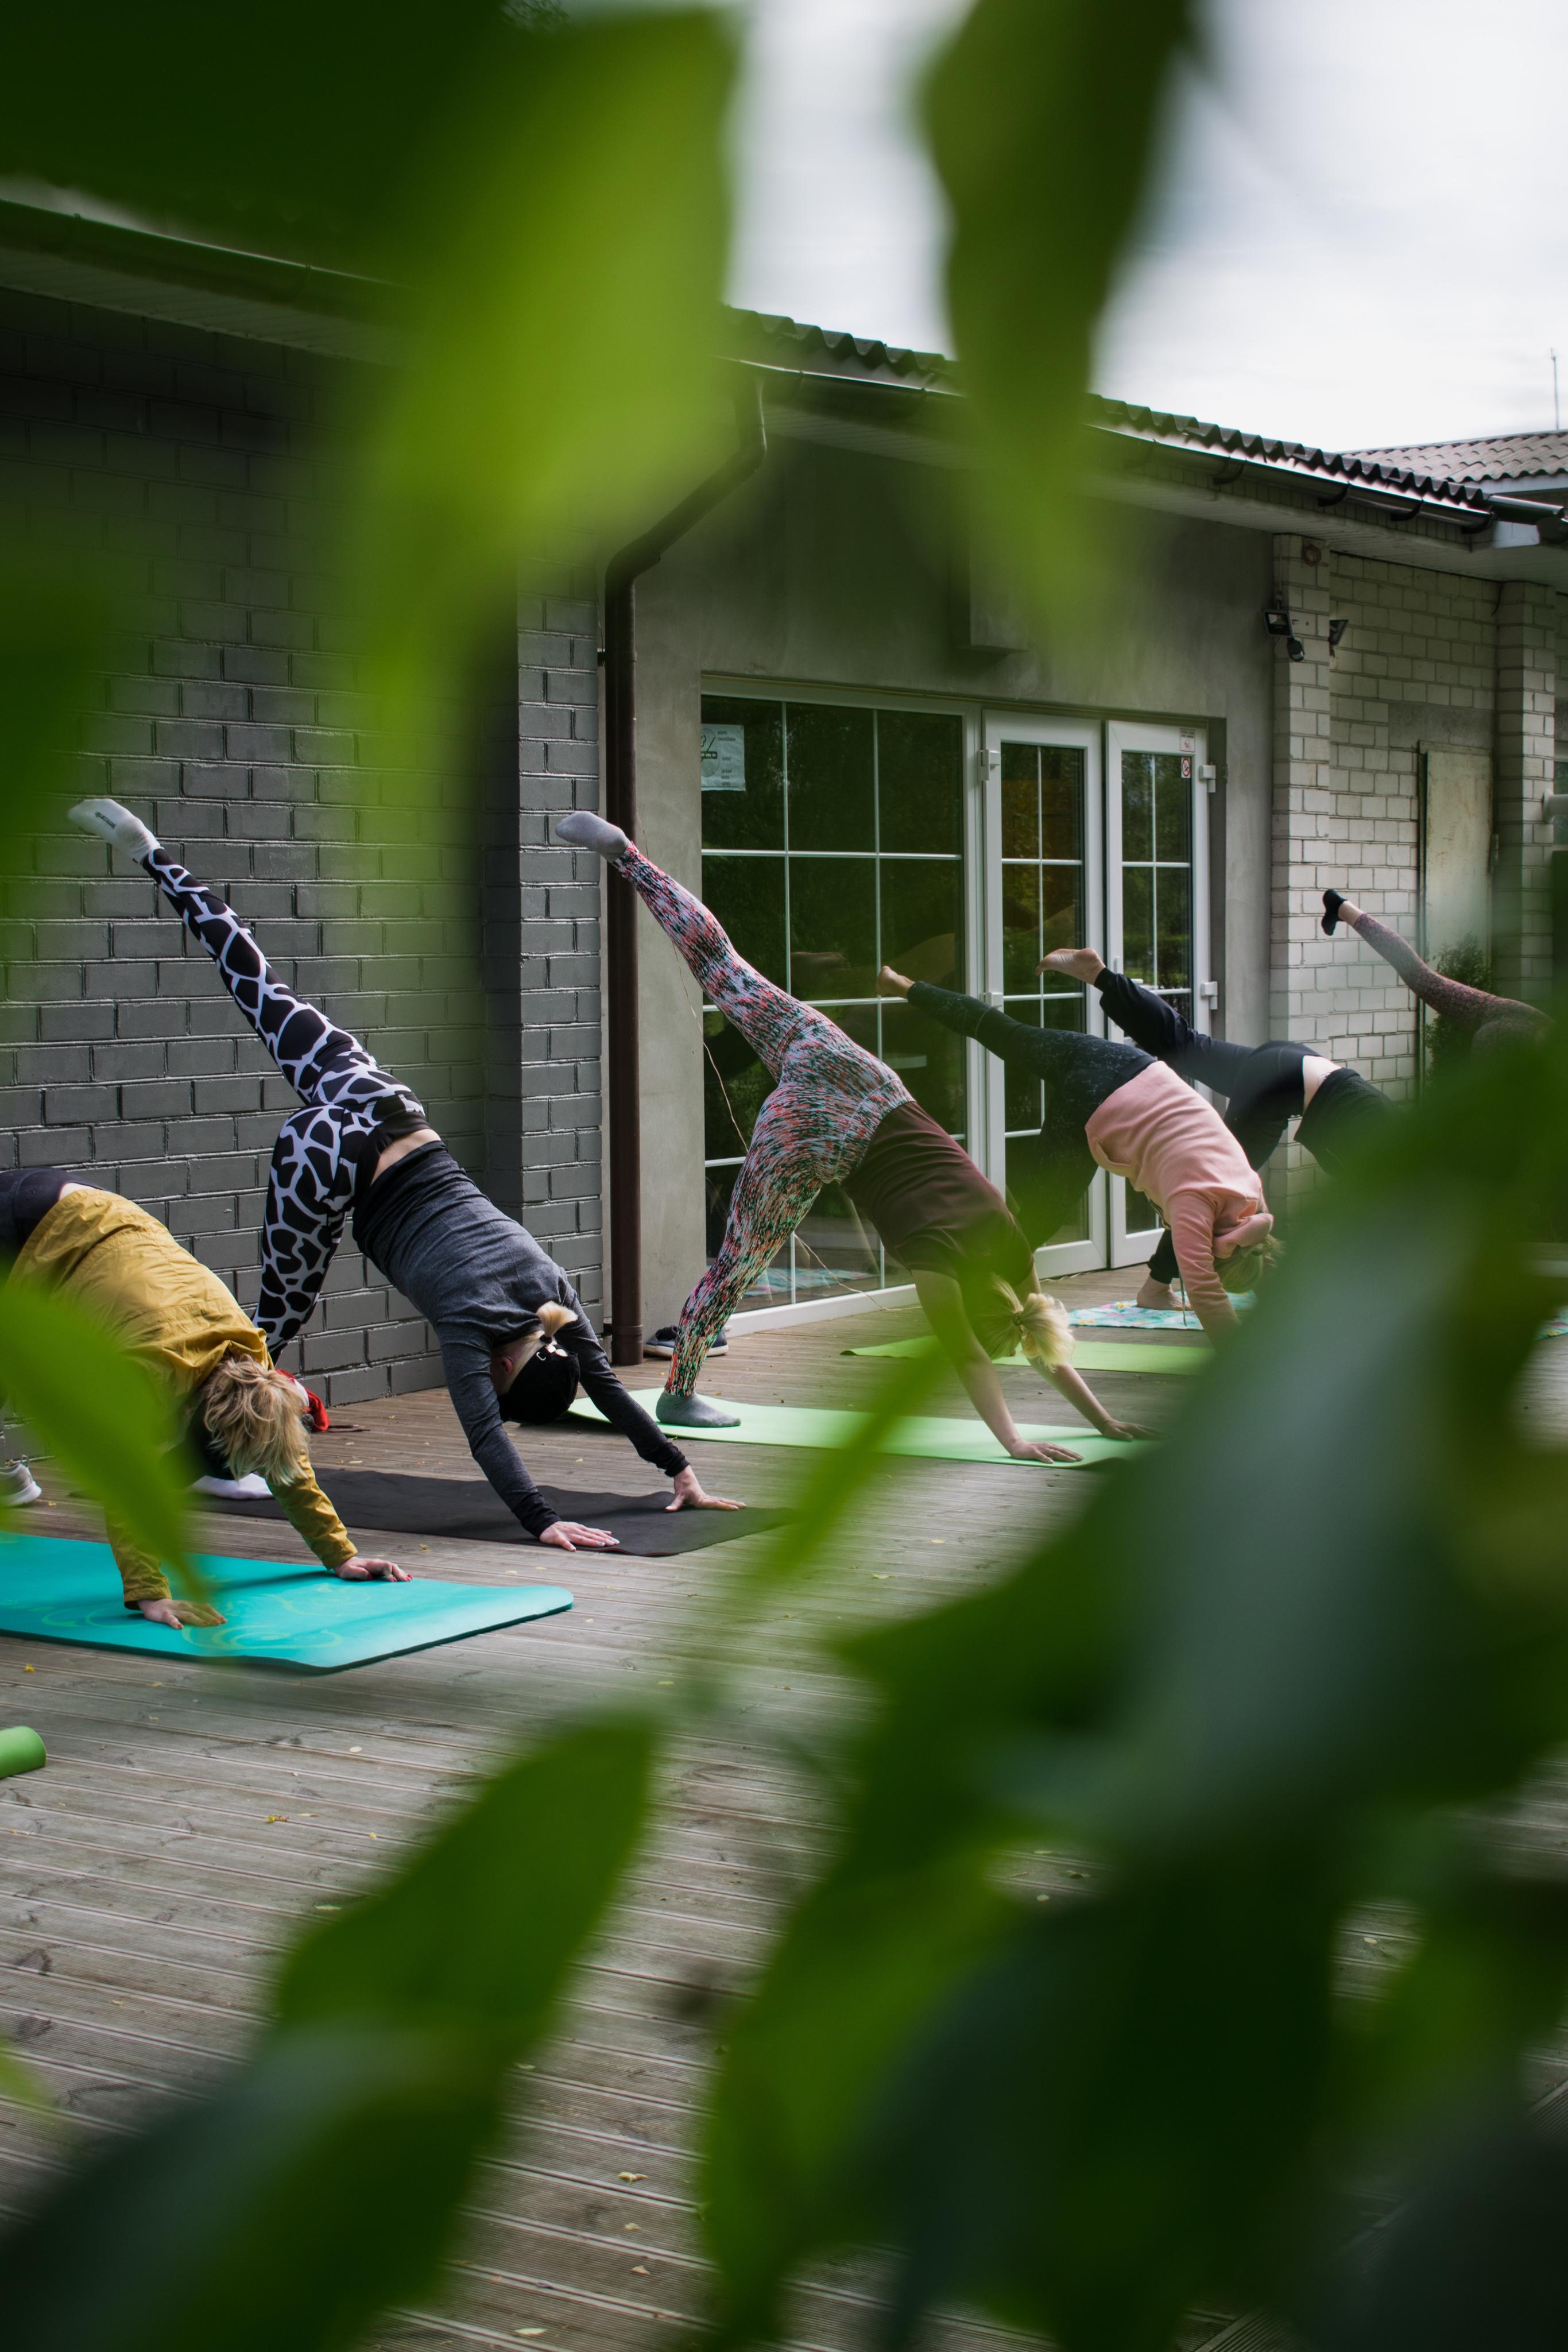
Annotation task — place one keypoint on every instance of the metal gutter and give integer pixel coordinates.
(622, 1036)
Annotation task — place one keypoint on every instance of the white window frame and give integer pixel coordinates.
(1136, 1246)
(1074, 735)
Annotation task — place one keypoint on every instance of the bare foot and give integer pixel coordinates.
(1074, 963)
(892, 984)
(1157, 1294)
(180, 1613)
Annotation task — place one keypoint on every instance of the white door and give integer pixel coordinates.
(1043, 887)
(1157, 904)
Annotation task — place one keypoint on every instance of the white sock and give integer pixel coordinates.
(107, 821)
(586, 831)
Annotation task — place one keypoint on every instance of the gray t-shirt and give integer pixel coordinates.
(478, 1278)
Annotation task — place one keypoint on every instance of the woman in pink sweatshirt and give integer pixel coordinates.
(1110, 1106)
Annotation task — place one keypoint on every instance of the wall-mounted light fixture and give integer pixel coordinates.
(1336, 632)
(1554, 806)
(1277, 621)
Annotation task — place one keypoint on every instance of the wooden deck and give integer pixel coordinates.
(192, 1818)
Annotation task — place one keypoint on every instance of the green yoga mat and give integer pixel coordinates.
(53, 1590)
(937, 1441)
(1088, 1356)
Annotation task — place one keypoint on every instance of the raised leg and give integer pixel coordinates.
(767, 1017)
(1471, 1009)
(309, 1191)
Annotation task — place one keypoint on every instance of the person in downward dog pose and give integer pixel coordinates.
(1488, 1020)
(838, 1116)
(1266, 1087)
(515, 1341)
(185, 1329)
(1112, 1107)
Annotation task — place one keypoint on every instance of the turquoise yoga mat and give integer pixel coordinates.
(53, 1590)
(1088, 1356)
(939, 1441)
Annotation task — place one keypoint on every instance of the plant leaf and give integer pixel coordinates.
(1041, 116)
(98, 1413)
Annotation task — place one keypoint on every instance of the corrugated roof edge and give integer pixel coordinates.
(786, 342)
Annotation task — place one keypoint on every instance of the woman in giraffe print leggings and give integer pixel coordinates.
(838, 1116)
(515, 1341)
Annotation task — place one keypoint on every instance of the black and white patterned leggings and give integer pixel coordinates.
(345, 1091)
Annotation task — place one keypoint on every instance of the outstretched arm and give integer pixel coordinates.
(943, 1301)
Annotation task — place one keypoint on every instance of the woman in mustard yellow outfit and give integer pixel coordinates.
(185, 1329)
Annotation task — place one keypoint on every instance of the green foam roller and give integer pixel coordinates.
(21, 1750)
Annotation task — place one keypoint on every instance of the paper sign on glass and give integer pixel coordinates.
(724, 757)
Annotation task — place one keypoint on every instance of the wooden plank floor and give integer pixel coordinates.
(193, 1819)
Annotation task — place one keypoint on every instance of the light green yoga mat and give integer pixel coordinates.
(1088, 1356)
(937, 1441)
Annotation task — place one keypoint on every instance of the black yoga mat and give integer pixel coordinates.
(418, 1505)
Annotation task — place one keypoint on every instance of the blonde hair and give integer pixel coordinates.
(547, 1321)
(253, 1418)
(1041, 1325)
(1244, 1268)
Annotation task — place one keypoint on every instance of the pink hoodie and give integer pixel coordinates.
(1176, 1148)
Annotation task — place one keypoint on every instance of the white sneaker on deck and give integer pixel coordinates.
(250, 1489)
(18, 1486)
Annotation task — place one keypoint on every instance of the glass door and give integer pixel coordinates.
(1157, 903)
(1043, 831)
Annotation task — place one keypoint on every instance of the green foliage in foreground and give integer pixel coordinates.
(322, 2182)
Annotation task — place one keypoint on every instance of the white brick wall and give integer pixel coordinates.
(1426, 658)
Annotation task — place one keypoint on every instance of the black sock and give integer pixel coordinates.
(1332, 901)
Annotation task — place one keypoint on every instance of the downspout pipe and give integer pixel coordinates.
(623, 1083)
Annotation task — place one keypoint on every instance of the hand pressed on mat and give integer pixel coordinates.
(178, 1615)
(565, 1535)
(690, 1496)
(360, 1568)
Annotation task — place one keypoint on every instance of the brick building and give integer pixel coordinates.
(843, 737)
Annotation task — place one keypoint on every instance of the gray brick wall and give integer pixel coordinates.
(232, 715)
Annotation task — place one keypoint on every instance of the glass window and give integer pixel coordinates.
(1156, 872)
(1043, 907)
(832, 842)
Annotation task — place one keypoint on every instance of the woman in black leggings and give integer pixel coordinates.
(1265, 1085)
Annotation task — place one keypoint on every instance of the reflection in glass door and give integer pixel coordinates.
(1043, 821)
(1156, 913)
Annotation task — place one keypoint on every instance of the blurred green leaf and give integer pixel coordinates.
(478, 1927)
(286, 2208)
(551, 395)
(1041, 116)
(323, 2182)
(809, 2058)
(53, 620)
(100, 1415)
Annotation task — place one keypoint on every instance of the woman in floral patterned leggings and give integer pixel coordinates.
(838, 1116)
(829, 1099)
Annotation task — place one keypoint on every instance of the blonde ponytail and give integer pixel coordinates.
(1041, 1325)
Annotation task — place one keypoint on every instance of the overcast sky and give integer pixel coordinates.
(1359, 234)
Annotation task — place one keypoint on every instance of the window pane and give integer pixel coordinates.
(1172, 904)
(735, 1087)
(1020, 925)
(1020, 800)
(1137, 804)
(1173, 808)
(751, 817)
(747, 893)
(832, 926)
(772, 1287)
(920, 773)
(922, 919)
(834, 1250)
(1138, 925)
(830, 778)
(929, 1059)
(1061, 803)
(1061, 905)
